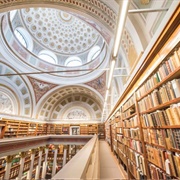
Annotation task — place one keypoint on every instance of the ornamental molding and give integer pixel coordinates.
(95, 8)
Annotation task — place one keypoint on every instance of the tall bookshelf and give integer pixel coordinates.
(92, 129)
(32, 129)
(14, 171)
(159, 108)
(23, 129)
(10, 128)
(2, 167)
(2, 128)
(147, 116)
(83, 129)
(101, 131)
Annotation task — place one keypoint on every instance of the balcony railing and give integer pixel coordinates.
(84, 165)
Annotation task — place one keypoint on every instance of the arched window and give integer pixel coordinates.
(73, 61)
(20, 37)
(12, 14)
(94, 53)
(48, 56)
(24, 38)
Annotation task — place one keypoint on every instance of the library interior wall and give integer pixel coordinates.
(135, 142)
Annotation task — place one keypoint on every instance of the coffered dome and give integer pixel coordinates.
(59, 31)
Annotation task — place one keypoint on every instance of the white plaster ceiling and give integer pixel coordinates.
(58, 30)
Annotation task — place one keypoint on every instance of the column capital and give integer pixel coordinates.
(47, 146)
(41, 148)
(9, 158)
(23, 154)
(33, 151)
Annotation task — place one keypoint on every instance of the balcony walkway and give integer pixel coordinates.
(109, 167)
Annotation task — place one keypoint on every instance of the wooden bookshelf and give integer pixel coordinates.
(15, 167)
(92, 129)
(58, 129)
(148, 120)
(50, 128)
(2, 167)
(41, 129)
(83, 129)
(11, 130)
(32, 129)
(2, 128)
(23, 129)
(101, 131)
(17, 128)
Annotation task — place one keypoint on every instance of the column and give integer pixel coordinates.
(22, 155)
(54, 161)
(45, 162)
(38, 167)
(8, 166)
(64, 156)
(29, 174)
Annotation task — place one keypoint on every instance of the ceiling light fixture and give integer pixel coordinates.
(121, 22)
(123, 10)
(111, 73)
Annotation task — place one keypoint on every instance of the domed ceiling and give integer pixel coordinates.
(59, 31)
(60, 36)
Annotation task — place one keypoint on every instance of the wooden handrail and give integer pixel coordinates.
(84, 165)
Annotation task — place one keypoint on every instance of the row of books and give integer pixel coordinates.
(26, 166)
(160, 118)
(14, 171)
(166, 68)
(160, 96)
(122, 147)
(155, 136)
(172, 138)
(132, 122)
(169, 162)
(136, 172)
(128, 112)
(122, 156)
(168, 138)
(137, 159)
(119, 130)
(119, 123)
(157, 174)
(128, 103)
(132, 133)
(136, 145)
(120, 137)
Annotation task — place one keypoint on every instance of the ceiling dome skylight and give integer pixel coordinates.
(20, 37)
(48, 56)
(23, 37)
(59, 31)
(55, 41)
(73, 62)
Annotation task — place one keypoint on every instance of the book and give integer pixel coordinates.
(169, 67)
(170, 117)
(176, 87)
(172, 164)
(176, 58)
(175, 114)
(176, 137)
(176, 158)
